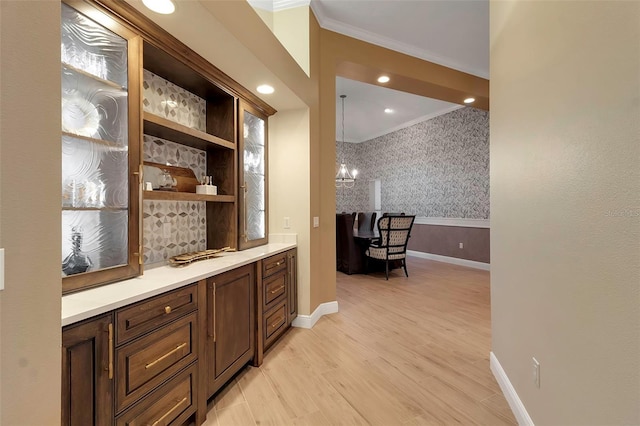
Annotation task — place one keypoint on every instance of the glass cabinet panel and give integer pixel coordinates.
(98, 152)
(253, 178)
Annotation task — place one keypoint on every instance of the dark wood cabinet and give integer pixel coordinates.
(231, 324)
(88, 373)
(253, 221)
(292, 284)
(100, 146)
(277, 299)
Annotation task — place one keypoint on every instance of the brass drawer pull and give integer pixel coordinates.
(277, 289)
(169, 412)
(167, 309)
(171, 352)
(110, 351)
(280, 262)
(275, 323)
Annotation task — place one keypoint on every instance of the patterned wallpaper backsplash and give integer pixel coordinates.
(163, 98)
(173, 227)
(170, 153)
(436, 168)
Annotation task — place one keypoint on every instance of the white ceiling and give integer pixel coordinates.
(364, 116)
(453, 33)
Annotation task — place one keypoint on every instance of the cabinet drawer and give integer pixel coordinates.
(172, 403)
(274, 287)
(135, 320)
(146, 362)
(273, 264)
(275, 322)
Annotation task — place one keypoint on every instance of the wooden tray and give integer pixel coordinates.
(185, 178)
(188, 258)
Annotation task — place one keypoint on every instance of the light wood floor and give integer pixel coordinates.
(408, 351)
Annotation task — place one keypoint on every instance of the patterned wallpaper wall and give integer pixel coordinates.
(163, 98)
(173, 227)
(437, 168)
(170, 228)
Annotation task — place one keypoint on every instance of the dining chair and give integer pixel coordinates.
(394, 231)
(359, 220)
(367, 221)
(348, 254)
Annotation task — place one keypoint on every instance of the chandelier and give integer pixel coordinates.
(345, 179)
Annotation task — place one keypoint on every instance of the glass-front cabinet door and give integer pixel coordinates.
(100, 149)
(252, 226)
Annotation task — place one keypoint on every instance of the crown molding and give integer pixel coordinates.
(277, 5)
(360, 34)
(411, 123)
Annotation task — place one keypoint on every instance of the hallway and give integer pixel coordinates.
(400, 352)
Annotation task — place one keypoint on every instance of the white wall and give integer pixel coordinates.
(291, 26)
(565, 207)
(289, 189)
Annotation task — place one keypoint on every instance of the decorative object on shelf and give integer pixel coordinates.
(188, 258)
(170, 178)
(76, 262)
(344, 179)
(166, 182)
(80, 117)
(206, 186)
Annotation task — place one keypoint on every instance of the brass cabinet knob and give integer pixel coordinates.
(167, 309)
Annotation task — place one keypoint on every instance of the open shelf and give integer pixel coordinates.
(160, 127)
(187, 196)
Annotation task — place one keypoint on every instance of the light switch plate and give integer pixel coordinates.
(316, 221)
(1, 269)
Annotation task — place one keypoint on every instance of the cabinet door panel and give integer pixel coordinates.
(148, 361)
(87, 390)
(100, 148)
(231, 327)
(292, 285)
(253, 177)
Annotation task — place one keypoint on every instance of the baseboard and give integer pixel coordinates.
(308, 321)
(517, 407)
(447, 259)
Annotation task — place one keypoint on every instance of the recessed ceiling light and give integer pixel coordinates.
(164, 7)
(265, 89)
(388, 110)
(469, 100)
(383, 79)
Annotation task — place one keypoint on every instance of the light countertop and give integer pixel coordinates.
(88, 303)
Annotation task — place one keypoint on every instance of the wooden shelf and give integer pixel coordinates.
(95, 209)
(187, 196)
(110, 144)
(94, 77)
(166, 129)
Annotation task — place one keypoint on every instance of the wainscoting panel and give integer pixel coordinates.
(445, 241)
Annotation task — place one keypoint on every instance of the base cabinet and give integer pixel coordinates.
(172, 403)
(87, 373)
(157, 361)
(231, 324)
(277, 299)
(292, 284)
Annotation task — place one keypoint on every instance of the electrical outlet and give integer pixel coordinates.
(286, 223)
(461, 245)
(536, 372)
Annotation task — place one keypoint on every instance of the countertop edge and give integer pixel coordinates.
(89, 303)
